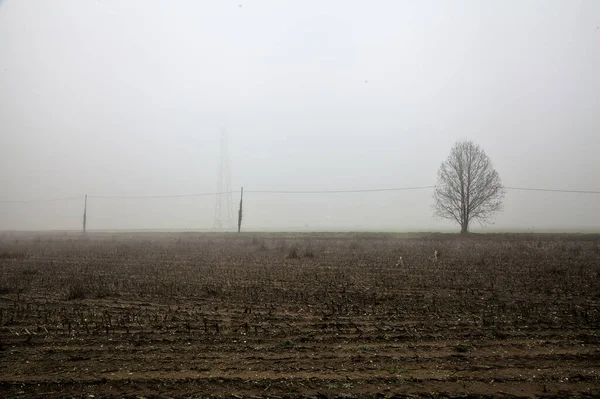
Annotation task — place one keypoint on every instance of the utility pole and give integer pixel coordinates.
(84, 213)
(240, 211)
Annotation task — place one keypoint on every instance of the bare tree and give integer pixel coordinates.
(468, 187)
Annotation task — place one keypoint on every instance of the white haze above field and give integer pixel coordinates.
(127, 98)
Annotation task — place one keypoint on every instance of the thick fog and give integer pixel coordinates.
(128, 98)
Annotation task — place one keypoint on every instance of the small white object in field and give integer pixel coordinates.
(436, 254)
(400, 262)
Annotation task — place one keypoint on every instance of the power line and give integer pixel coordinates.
(40, 200)
(552, 190)
(369, 190)
(159, 196)
(373, 190)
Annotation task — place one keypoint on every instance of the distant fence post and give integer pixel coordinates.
(84, 213)
(240, 211)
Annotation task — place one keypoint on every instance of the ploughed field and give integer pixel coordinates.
(299, 315)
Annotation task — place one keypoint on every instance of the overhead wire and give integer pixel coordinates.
(553, 190)
(40, 200)
(367, 190)
(159, 196)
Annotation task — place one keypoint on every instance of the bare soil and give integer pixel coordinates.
(350, 315)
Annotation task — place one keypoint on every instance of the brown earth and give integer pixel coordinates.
(299, 315)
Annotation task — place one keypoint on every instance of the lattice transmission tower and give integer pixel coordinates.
(224, 203)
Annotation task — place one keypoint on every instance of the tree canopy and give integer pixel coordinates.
(468, 187)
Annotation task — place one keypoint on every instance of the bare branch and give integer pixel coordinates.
(468, 187)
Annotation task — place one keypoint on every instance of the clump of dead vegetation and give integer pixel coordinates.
(309, 252)
(13, 255)
(76, 290)
(293, 253)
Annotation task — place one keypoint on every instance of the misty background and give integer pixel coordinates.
(128, 98)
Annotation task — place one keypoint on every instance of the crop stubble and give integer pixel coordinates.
(292, 315)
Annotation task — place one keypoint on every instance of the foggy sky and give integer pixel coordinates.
(128, 98)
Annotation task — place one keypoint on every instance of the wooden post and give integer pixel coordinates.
(240, 211)
(84, 213)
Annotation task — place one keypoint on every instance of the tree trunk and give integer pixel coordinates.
(464, 229)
